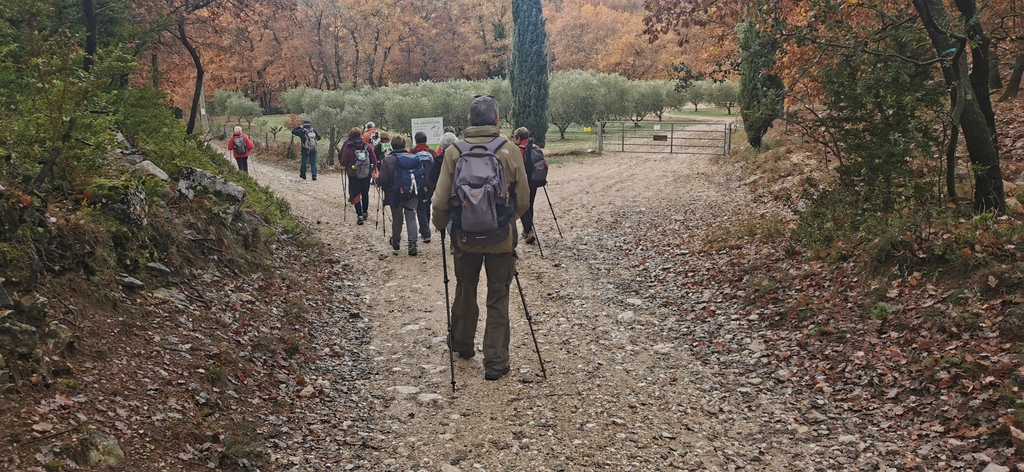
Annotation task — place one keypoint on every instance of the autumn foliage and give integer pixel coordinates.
(270, 47)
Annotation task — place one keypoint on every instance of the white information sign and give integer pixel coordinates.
(433, 127)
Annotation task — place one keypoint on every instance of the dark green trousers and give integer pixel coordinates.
(465, 312)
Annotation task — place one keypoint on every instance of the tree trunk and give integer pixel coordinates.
(1013, 85)
(988, 189)
(995, 81)
(154, 70)
(332, 145)
(56, 151)
(979, 72)
(954, 137)
(89, 11)
(197, 94)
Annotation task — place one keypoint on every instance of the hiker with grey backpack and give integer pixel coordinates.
(240, 145)
(477, 190)
(309, 138)
(359, 160)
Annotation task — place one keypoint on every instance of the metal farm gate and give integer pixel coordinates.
(664, 136)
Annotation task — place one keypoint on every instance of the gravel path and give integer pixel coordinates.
(623, 391)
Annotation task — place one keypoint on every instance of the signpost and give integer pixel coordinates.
(432, 127)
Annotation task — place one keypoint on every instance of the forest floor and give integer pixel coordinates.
(640, 374)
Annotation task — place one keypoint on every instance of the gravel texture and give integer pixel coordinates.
(631, 384)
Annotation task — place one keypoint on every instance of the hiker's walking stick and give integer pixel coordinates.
(529, 321)
(348, 199)
(536, 239)
(376, 221)
(448, 310)
(552, 207)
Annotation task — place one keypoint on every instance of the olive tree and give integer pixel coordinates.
(724, 95)
(644, 98)
(572, 99)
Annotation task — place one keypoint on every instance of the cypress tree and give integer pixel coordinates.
(528, 69)
(761, 93)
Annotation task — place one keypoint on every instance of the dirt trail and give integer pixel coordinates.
(622, 391)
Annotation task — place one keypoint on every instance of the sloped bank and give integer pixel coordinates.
(151, 322)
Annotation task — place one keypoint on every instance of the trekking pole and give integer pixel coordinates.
(529, 321)
(376, 221)
(448, 311)
(344, 190)
(383, 222)
(552, 207)
(536, 238)
(252, 163)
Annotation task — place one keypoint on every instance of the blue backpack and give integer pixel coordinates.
(409, 180)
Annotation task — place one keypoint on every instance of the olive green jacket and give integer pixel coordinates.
(515, 175)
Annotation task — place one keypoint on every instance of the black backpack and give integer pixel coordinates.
(536, 164)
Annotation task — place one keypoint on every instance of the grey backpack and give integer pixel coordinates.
(480, 205)
(362, 164)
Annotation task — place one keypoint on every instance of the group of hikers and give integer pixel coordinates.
(471, 189)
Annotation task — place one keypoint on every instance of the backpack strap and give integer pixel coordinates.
(465, 146)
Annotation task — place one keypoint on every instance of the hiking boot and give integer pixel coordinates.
(314, 177)
(413, 251)
(531, 237)
(466, 354)
(359, 220)
(495, 375)
(426, 239)
(395, 247)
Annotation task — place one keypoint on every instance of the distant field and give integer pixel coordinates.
(577, 140)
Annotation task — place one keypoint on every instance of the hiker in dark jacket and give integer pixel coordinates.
(383, 147)
(308, 148)
(426, 155)
(358, 186)
(446, 140)
(522, 137)
(498, 259)
(401, 209)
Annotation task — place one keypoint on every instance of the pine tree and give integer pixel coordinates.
(528, 69)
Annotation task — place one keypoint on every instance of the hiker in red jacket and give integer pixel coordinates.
(241, 146)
